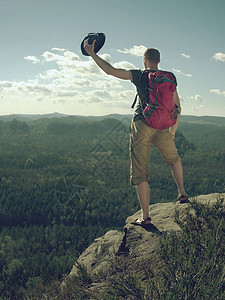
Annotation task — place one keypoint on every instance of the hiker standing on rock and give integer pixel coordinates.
(154, 122)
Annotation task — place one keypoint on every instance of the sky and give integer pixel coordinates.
(42, 69)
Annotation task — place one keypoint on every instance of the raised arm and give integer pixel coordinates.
(104, 65)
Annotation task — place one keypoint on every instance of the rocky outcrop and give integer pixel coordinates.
(137, 245)
(97, 256)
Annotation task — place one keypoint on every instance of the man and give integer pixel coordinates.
(142, 136)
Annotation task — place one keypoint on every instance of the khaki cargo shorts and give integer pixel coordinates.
(141, 138)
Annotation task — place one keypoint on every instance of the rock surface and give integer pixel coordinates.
(96, 257)
(139, 245)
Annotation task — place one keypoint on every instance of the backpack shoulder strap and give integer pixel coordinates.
(135, 100)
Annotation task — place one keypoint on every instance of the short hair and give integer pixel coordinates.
(152, 54)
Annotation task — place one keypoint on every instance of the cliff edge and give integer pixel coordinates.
(135, 249)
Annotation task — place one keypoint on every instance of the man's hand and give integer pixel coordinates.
(173, 128)
(172, 131)
(89, 48)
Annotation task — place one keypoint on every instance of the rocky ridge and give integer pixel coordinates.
(135, 247)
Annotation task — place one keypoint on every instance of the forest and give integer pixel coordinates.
(65, 181)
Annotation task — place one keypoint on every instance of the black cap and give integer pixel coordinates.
(100, 40)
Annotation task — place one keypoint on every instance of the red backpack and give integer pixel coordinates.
(160, 111)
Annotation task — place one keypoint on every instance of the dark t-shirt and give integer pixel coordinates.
(140, 80)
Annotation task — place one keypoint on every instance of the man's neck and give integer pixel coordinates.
(152, 66)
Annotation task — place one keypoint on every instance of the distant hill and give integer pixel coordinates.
(31, 117)
(220, 121)
(205, 131)
(62, 117)
(209, 120)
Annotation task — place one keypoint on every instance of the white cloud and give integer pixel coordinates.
(124, 65)
(186, 55)
(197, 108)
(219, 56)
(109, 97)
(71, 56)
(52, 73)
(135, 50)
(72, 79)
(30, 86)
(33, 59)
(36, 88)
(65, 58)
(181, 73)
(67, 94)
(177, 71)
(49, 56)
(109, 83)
(59, 101)
(5, 84)
(71, 65)
(127, 95)
(92, 83)
(95, 100)
(196, 98)
(101, 94)
(59, 49)
(106, 57)
(217, 92)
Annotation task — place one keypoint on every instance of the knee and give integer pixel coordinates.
(172, 160)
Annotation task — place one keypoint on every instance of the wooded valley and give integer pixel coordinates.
(65, 181)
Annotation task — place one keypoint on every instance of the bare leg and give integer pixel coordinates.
(144, 197)
(177, 172)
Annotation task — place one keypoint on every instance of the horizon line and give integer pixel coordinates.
(78, 115)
